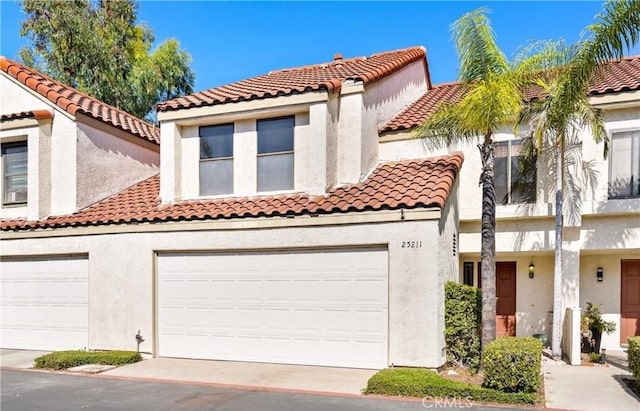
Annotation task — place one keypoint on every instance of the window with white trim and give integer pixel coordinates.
(624, 165)
(14, 173)
(216, 159)
(275, 154)
(515, 181)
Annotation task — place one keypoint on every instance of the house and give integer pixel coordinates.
(601, 247)
(296, 219)
(272, 233)
(62, 151)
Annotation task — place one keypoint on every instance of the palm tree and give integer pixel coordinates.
(491, 97)
(564, 109)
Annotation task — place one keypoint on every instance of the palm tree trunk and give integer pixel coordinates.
(556, 350)
(488, 248)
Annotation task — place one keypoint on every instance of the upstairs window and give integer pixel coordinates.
(275, 154)
(14, 173)
(216, 159)
(515, 180)
(624, 165)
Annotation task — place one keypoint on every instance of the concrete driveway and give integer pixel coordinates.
(249, 375)
(22, 359)
(224, 373)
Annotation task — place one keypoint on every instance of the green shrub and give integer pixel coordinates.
(462, 321)
(594, 357)
(633, 354)
(424, 383)
(512, 364)
(62, 360)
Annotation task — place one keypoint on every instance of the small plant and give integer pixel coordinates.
(427, 384)
(594, 357)
(61, 360)
(592, 320)
(634, 357)
(512, 364)
(462, 311)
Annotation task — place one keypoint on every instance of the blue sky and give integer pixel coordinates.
(230, 41)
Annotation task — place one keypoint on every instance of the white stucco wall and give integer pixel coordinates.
(122, 282)
(390, 95)
(350, 139)
(107, 164)
(15, 98)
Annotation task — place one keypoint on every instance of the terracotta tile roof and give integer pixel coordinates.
(326, 76)
(73, 101)
(405, 184)
(620, 75)
(37, 114)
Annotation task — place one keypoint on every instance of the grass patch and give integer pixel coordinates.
(424, 383)
(61, 360)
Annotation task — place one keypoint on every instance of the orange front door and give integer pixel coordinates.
(629, 299)
(506, 298)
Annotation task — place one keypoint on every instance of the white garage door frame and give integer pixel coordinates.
(380, 248)
(66, 304)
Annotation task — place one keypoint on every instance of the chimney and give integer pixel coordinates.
(337, 58)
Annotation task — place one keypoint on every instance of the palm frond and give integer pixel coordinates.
(476, 46)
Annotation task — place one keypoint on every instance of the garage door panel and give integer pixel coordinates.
(326, 307)
(44, 303)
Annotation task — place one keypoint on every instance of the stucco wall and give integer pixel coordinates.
(122, 282)
(108, 164)
(15, 98)
(390, 95)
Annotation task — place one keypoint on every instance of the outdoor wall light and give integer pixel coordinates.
(532, 269)
(600, 274)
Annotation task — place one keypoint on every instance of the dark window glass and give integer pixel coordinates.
(514, 176)
(14, 159)
(479, 274)
(216, 159)
(624, 165)
(216, 141)
(275, 135)
(275, 154)
(467, 274)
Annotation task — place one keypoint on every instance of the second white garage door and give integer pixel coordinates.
(322, 307)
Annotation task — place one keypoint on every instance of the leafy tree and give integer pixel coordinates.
(98, 48)
(492, 97)
(564, 110)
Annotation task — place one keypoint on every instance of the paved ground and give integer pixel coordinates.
(18, 358)
(30, 391)
(589, 388)
(247, 374)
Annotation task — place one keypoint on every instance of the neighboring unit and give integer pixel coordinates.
(601, 247)
(61, 152)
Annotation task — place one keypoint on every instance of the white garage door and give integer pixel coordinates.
(44, 303)
(325, 307)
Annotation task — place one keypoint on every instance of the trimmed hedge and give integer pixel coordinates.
(462, 322)
(425, 383)
(633, 354)
(512, 364)
(62, 360)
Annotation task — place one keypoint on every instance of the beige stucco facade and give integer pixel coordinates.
(607, 232)
(122, 282)
(72, 161)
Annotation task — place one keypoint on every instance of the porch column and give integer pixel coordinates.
(570, 281)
